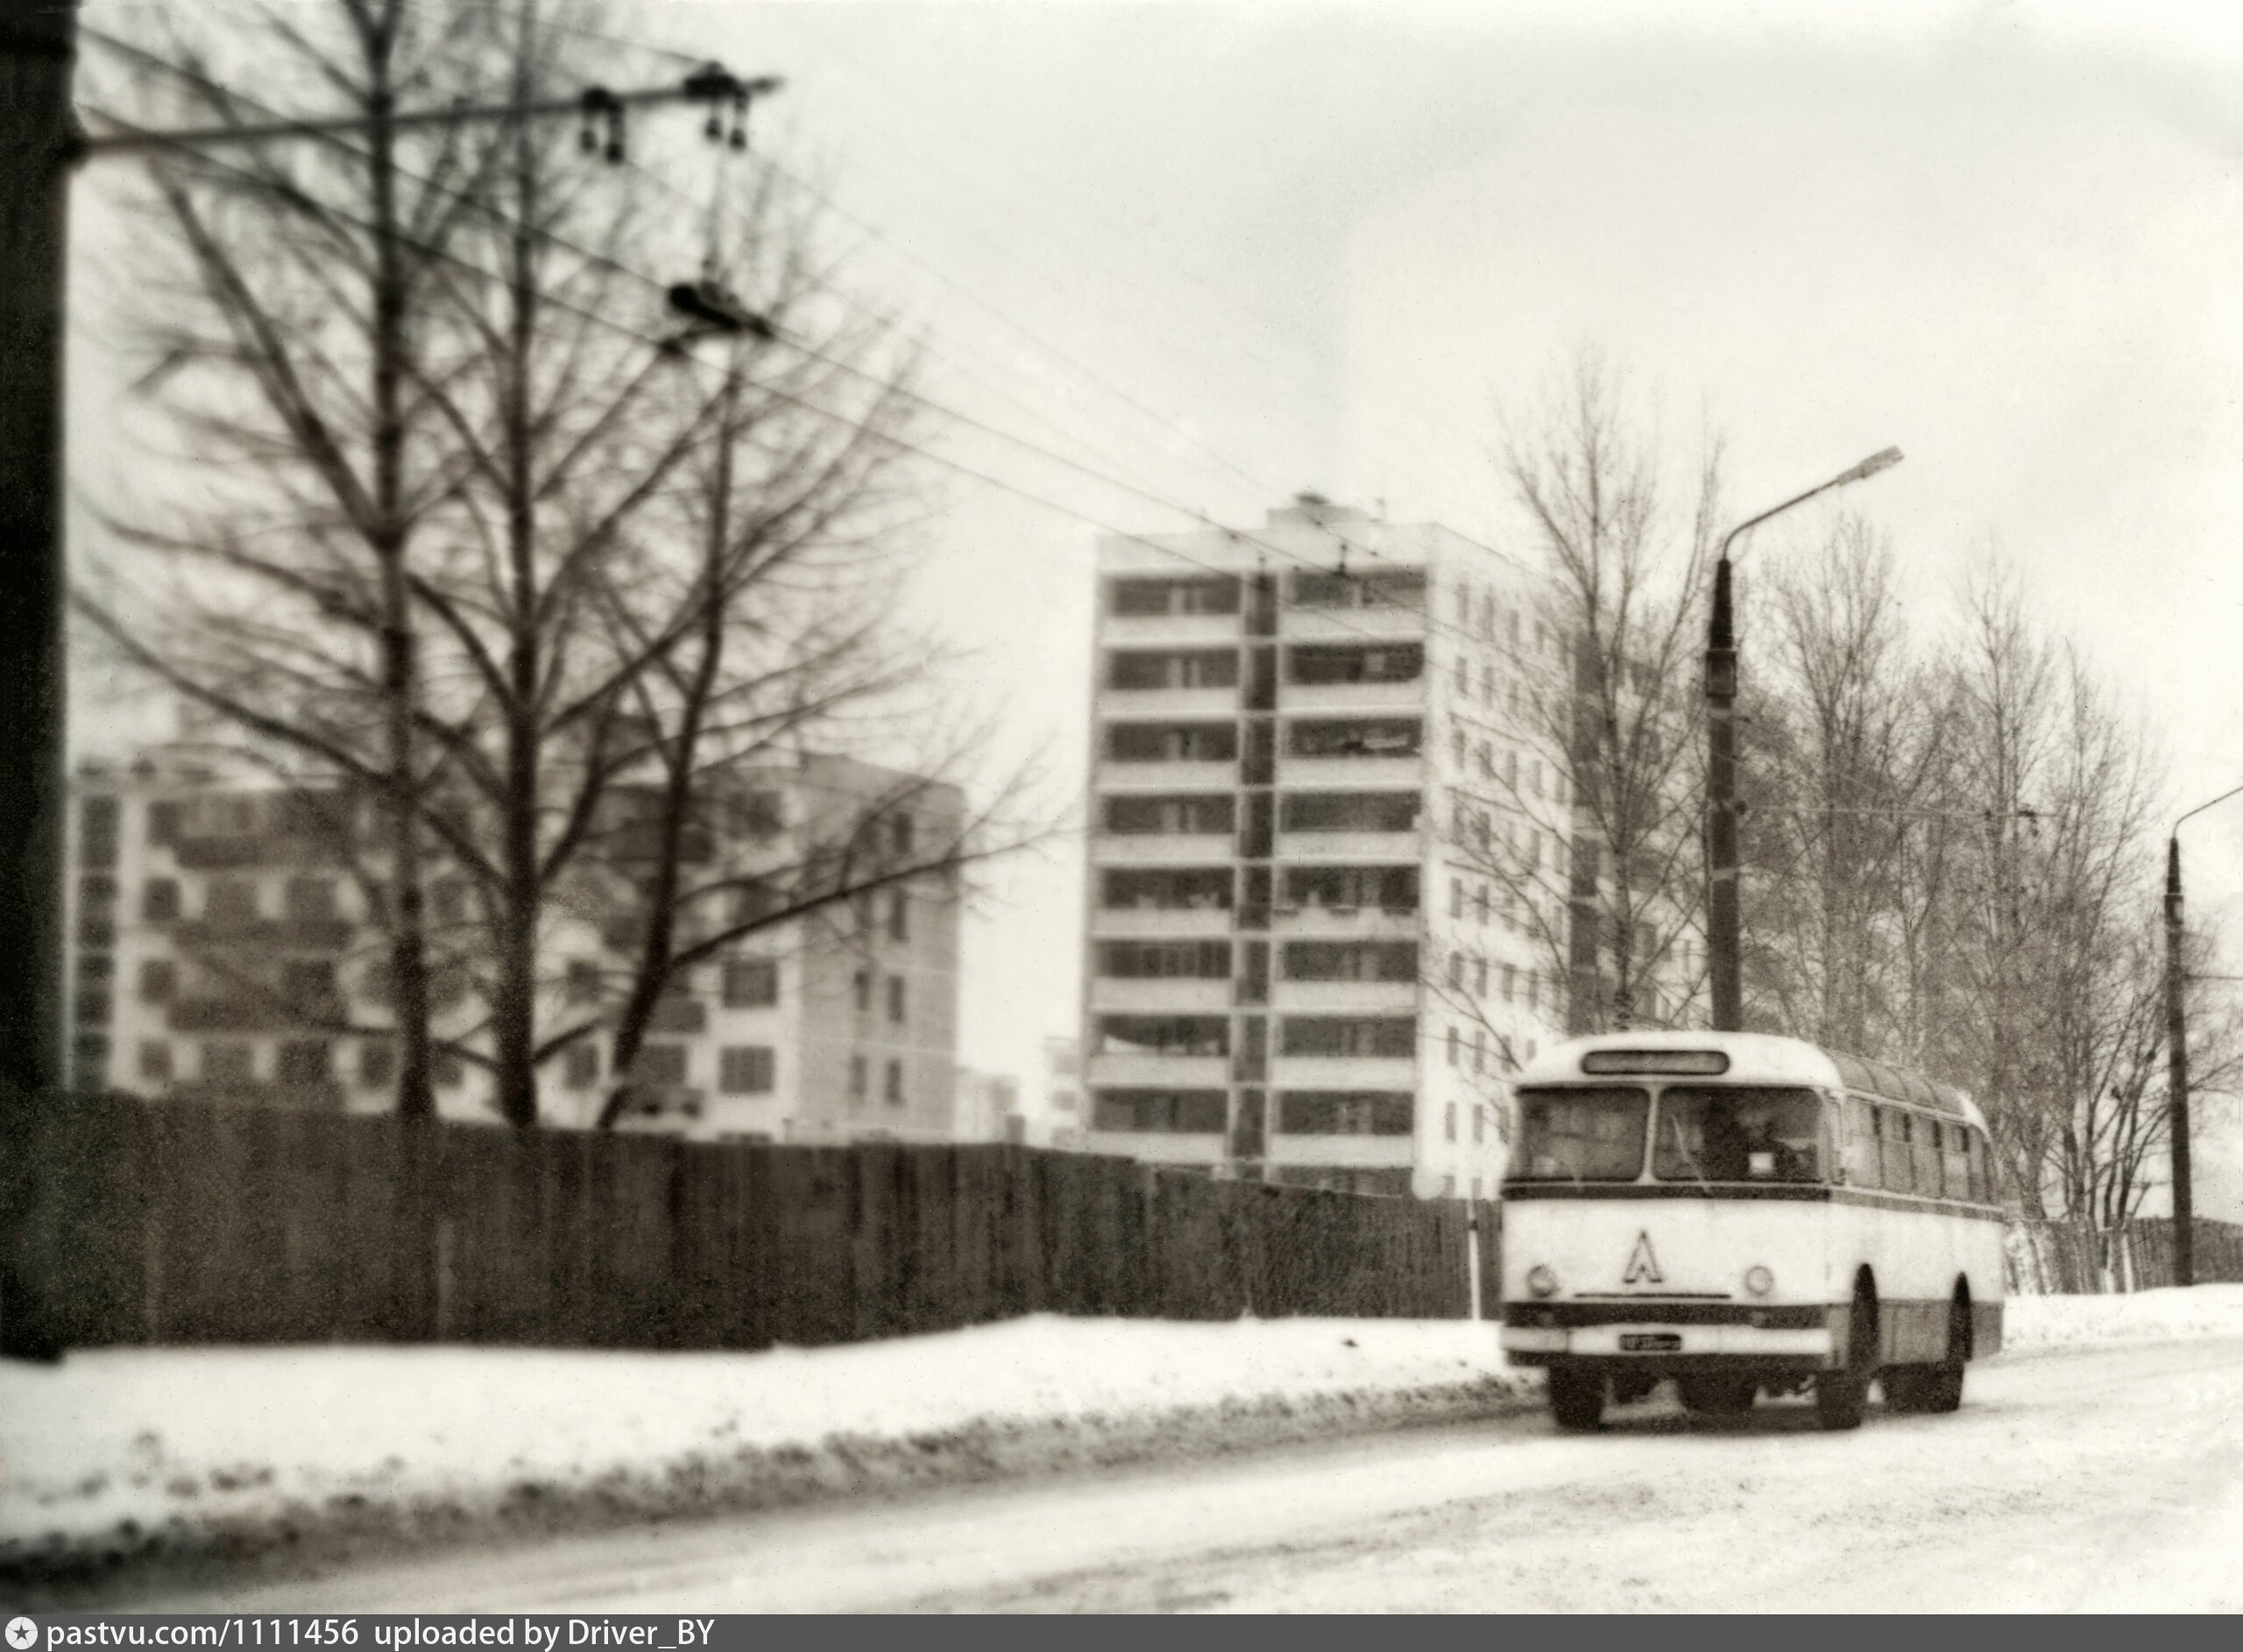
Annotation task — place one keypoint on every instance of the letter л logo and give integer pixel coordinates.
(1643, 1266)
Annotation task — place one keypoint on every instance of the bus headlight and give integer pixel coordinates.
(1541, 1281)
(1759, 1280)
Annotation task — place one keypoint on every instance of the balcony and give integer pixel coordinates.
(1349, 1152)
(1161, 848)
(1153, 631)
(1387, 773)
(1168, 703)
(267, 849)
(248, 1014)
(1344, 923)
(1150, 994)
(1144, 1069)
(1401, 847)
(1344, 998)
(1353, 697)
(266, 934)
(1344, 1072)
(1176, 775)
(1381, 624)
(1160, 923)
(325, 1096)
(1157, 1146)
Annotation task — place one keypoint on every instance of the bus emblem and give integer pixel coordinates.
(1643, 1266)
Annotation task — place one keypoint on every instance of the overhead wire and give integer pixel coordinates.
(1236, 535)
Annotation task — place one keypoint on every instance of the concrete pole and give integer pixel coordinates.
(1722, 929)
(38, 40)
(2176, 1073)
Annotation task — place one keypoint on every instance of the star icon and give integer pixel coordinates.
(22, 1633)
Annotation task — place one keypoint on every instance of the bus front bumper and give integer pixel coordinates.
(1799, 1337)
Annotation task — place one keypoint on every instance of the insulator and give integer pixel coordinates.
(712, 129)
(615, 136)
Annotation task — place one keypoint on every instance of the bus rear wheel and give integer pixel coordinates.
(1718, 1396)
(1938, 1389)
(1576, 1400)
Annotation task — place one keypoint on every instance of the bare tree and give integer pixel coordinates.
(1613, 900)
(306, 271)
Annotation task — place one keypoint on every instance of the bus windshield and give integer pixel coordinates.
(1739, 1134)
(1580, 1134)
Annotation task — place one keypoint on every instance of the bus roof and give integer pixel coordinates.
(1762, 1057)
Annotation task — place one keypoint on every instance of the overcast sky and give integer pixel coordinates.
(1222, 253)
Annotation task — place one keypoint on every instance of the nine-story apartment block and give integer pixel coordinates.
(1294, 971)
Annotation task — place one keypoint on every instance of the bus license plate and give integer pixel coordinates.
(1651, 1342)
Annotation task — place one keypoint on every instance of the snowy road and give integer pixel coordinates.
(2102, 1479)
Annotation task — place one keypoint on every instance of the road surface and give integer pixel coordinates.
(2104, 1479)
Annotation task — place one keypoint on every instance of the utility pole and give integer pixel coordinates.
(1725, 941)
(2176, 1073)
(38, 49)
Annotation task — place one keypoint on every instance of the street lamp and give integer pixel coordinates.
(1722, 942)
(2176, 1056)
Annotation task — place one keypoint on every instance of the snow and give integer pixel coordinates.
(207, 1435)
(124, 1450)
(2031, 1323)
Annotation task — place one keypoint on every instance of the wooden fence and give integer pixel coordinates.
(128, 1222)
(2073, 1258)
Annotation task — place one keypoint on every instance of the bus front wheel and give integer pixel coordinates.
(1576, 1400)
(1840, 1396)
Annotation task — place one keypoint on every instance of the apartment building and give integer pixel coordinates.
(226, 945)
(1294, 973)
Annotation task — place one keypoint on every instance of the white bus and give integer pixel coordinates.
(1745, 1213)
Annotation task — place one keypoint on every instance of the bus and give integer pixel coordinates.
(1745, 1214)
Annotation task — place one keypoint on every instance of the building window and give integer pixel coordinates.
(895, 998)
(751, 983)
(860, 987)
(660, 1064)
(582, 982)
(159, 980)
(858, 1079)
(1456, 971)
(229, 1063)
(1479, 1134)
(160, 900)
(1463, 674)
(1479, 1049)
(580, 1065)
(1448, 1122)
(1479, 977)
(1510, 981)
(309, 900)
(377, 1063)
(899, 915)
(1454, 1043)
(306, 1061)
(230, 900)
(746, 1069)
(1480, 904)
(900, 834)
(1449, 1187)
(156, 1061)
(448, 900)
(1456, 897)
(1534, 989)
(446, 1071)
(896, 1084)
(89, 1061)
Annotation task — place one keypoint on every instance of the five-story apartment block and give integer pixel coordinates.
(1291, 974)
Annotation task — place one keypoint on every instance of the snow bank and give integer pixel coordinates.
(2033, 1323)
(129, 1453)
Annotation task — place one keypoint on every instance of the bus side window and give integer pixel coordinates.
(1899, 1173)
(1924, 1143)
(1982, 1168)
(1862, 1169)
(1957, 1163)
